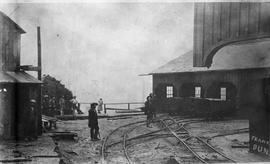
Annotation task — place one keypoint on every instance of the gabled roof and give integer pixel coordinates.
(183, 63)
(247, 56)
(15, 24)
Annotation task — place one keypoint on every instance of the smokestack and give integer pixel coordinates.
(39, 52)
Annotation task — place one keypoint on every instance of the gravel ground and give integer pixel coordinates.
(224, 143)
(149, 150)
(152, 150)
(21, 150)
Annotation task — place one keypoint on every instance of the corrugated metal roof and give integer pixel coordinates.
(255, 55)
(17, 77)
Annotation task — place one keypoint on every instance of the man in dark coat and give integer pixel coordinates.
(30, 121)
(93, 122)
(148, 111)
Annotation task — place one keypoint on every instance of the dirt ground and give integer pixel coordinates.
(224, 143)
(154, 150)
(148, 150)
(44, 146)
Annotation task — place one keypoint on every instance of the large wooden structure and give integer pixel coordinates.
(219, 24)
(17, 88)
(217, 92)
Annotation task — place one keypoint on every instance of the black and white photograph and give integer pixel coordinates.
(134, 82)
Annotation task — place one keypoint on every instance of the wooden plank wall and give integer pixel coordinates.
(218, 24)
(9, 45)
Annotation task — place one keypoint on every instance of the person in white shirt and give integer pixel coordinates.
(100, 105)
(74, 104)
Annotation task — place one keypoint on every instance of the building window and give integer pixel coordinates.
(198, 92)
(169, 91)
(223, 93)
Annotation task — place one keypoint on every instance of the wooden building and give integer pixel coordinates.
(218, 91)
(17, 87)
(218, 25)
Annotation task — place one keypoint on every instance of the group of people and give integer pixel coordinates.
(53, 107)
(49, 105)
(149, 109)
(97, 107)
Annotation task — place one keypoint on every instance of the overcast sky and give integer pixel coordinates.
(99, 49)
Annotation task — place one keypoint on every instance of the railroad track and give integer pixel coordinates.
(115, 136)
(201, 151)
(153, 135)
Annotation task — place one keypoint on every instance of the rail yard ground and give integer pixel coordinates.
(230, 137)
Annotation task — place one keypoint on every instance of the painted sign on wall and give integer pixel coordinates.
(259, 145)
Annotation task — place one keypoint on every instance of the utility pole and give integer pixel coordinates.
(39, 78)
(39, 52)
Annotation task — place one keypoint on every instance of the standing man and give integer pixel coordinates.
(100, 105)
(62, 105)
(153, 100)
(148, 111)
(93, 122)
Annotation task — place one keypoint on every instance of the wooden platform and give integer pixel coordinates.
(64, 135)
(100, 116)
(78, 117)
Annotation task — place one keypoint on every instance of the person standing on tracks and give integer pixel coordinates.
(153, 99)
(148, 111)
(93, 122)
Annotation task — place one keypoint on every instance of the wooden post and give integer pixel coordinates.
(39, 52)
(105, 109)
(128, 106)
(39, 97)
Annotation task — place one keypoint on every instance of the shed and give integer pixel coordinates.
(17, 87)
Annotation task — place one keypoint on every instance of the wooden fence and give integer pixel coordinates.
(127, 104)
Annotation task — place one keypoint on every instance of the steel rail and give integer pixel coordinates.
(125, 142)
(104, 144)
(232, 132)
(103, 148)
(215, 149)
(188, 147)
(139, 136)
(145, 135)
(210, 146)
